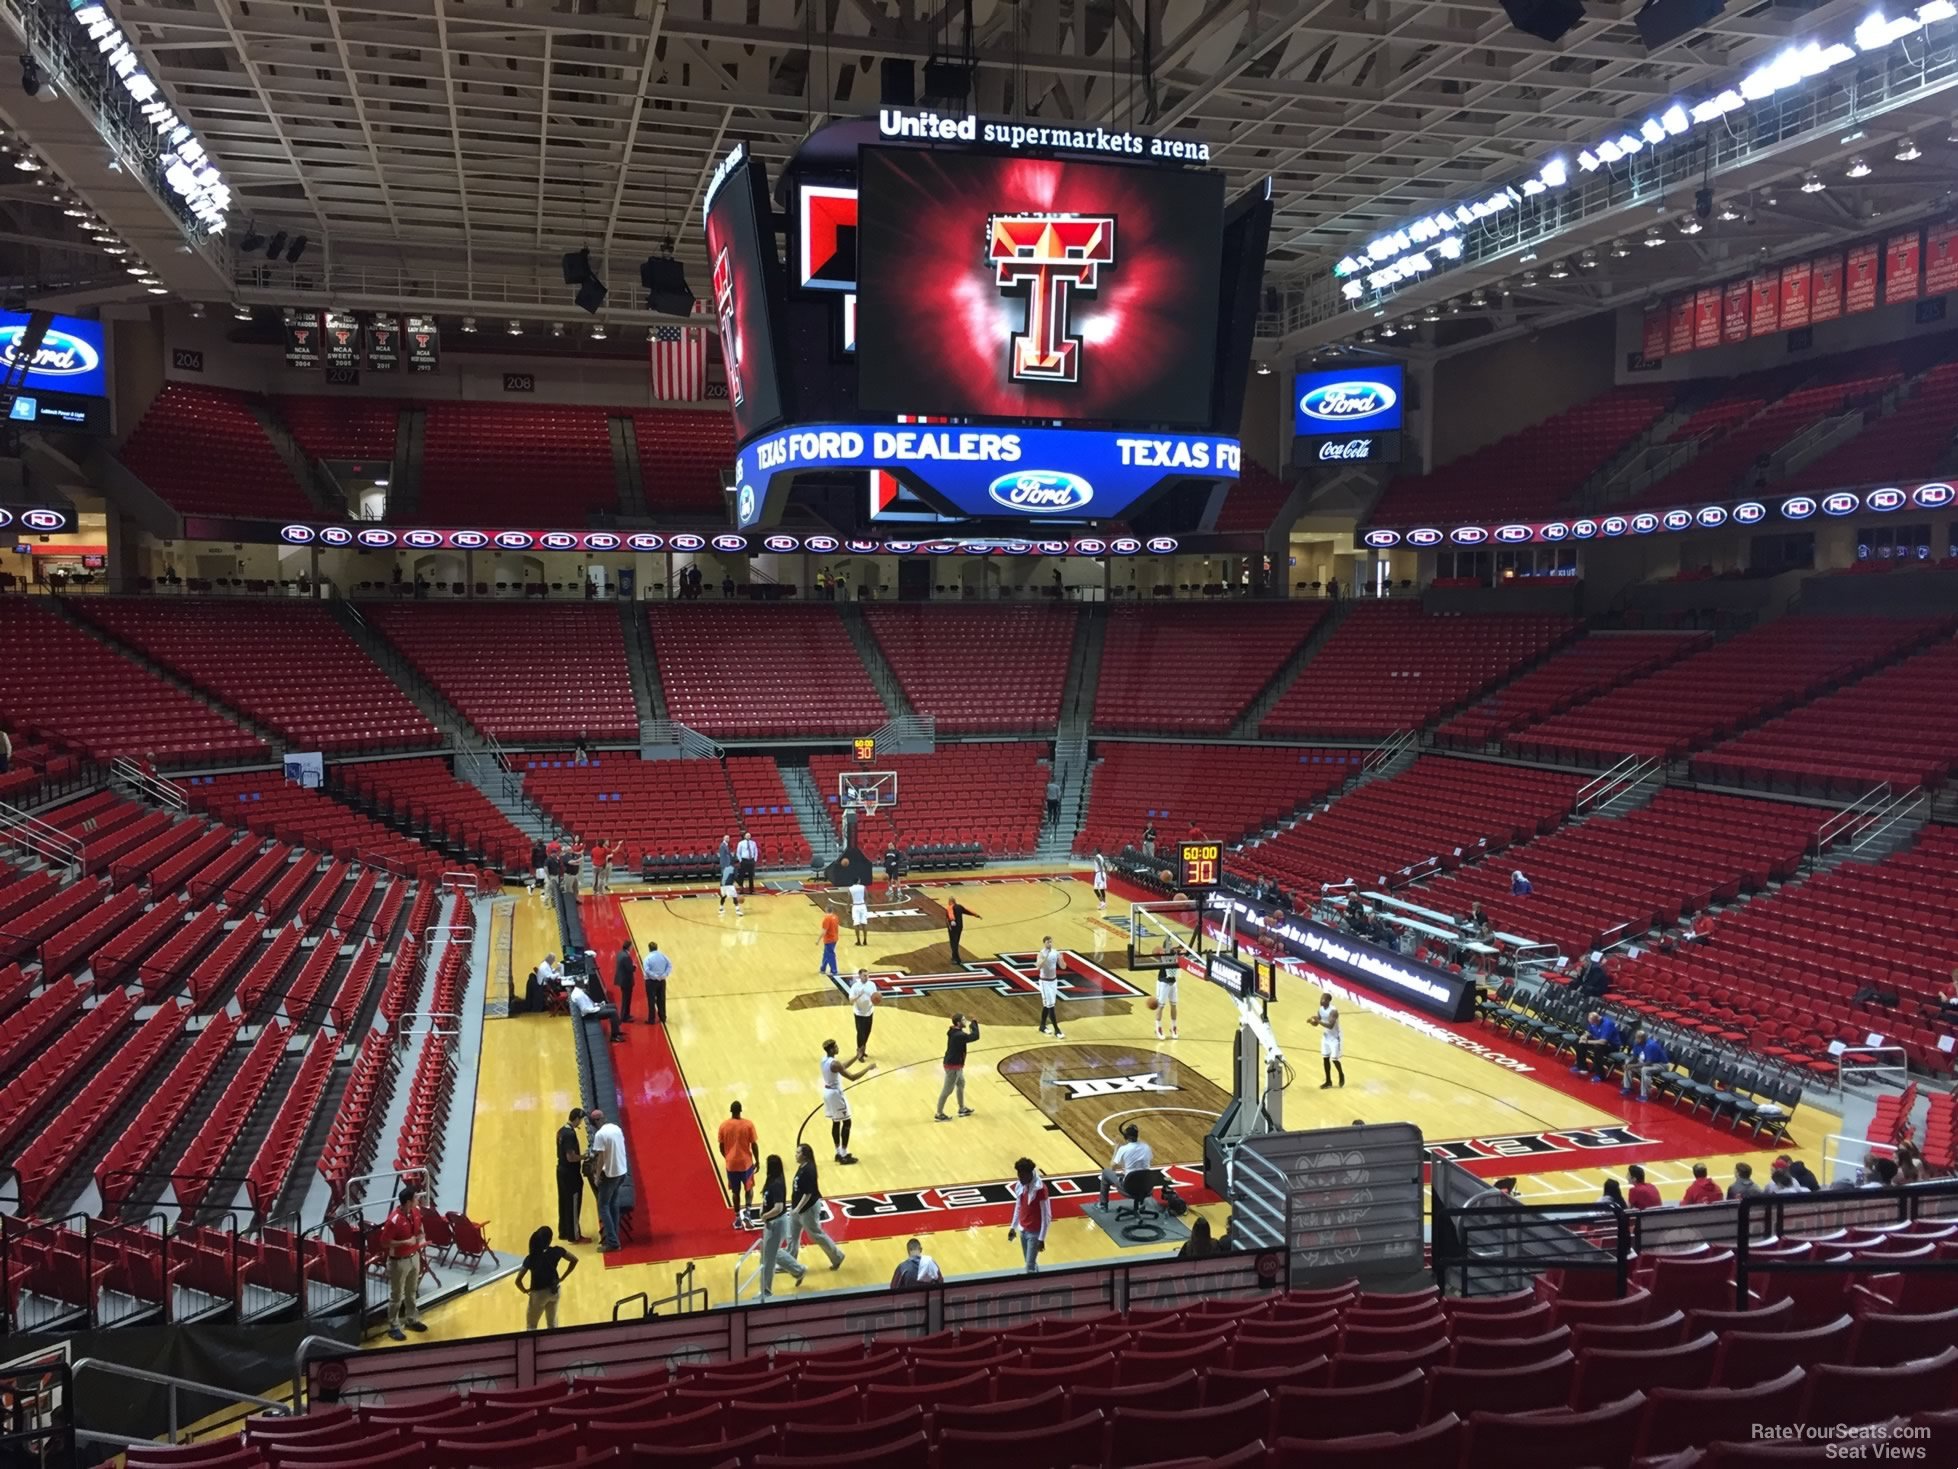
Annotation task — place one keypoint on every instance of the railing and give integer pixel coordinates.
(1863, 1206)
(1846, 820)
(692, 744)
(37, 1411)
(1613, 783)
(1899, 808)
(1896, 1070)
(1388, 750)
(1815, 441)
(160, 790)
(907, 734)
(686, 1295)
(177, 1387)
(52, 845)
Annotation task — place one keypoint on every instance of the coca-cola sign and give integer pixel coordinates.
(1348, 449)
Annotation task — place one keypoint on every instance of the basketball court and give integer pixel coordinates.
(749, 1010)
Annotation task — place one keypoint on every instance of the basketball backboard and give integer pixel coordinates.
(867, 790)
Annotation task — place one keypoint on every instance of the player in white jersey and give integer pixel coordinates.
(1101, 882)
(836, 1106)
(1048, 981)
(1166, 1001)
(860, 911)
(1329, 1041)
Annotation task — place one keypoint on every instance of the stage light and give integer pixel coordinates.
(469, 325)
(30, 76)
(1689, 224)
(591, 295)
(75, 211)
(295, 250)
(1264, 369)
(1478, 298)
(1559, 270)
(1703, 202)
(138, 269)
(1907, 150)
(241, 312)
(1431, 315)
(577, 266)
(1812, 183)
(1859, 168)
(665, 282)
(1587, 260)
(1527, 256)
(28, 163)
(1389, 330)
(1728, 213)
(1661, 22)
(1529, 279)
(1547, 20)
(115, 250)
(252, 242)
(1455, 306)
(1653, 239)
(1620, 248)
(515, 328)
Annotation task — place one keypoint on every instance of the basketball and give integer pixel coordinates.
(1150, 1002)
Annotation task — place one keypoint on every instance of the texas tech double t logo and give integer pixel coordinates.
(730, 338)
(1046, 258)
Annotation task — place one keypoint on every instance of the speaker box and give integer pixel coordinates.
(577, 266)
(592, 294)
(1662, 22)
(1546, 19)
(665, 280)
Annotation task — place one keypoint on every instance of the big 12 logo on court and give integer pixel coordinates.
(1046, 258)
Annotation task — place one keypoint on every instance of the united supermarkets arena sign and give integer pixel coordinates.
(911, 125)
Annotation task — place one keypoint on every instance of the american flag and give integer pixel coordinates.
(679, 359)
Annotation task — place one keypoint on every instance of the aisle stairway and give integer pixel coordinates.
(1247, 727)
(646, 691)
(1071, 765)
(881, 675)
(811, 813)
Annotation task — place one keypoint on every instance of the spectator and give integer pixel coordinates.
(956, 914)
(1883, 1173)
(548, 1266)
(401, 1243)
(625, 975)
(738, 1142)
(1779, 1181)
(1743, 1186)
(806, 1207)
(777, 1226)
(1642, 1195)
(1910, 1163)
(581, 752)
(1647, 1057)
(548, 974)
(1033, 1212)
(1519, 885)
(570, 1179)
(1799, 1172)
(916, 1269)
(1600, 1036)
(1053, 800)
(1702, 1190)
(601, 868)
(1131, 1155)
(608, 1153)
(584, 1007)
(1595, 981)
(1613, 1196)
(1199, 1246)
(538, 870)
(657, 968)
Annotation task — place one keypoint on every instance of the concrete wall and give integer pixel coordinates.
(1483, 396)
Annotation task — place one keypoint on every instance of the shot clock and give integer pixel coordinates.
(1199, 864)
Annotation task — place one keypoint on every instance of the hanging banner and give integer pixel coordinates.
(424, 344)
(1825, 287)
(1733, 312)
(1902, 262)
(1679, 325)
(342, 339)
(1941, 258)
(1859, 278)
(1764, 309)
(1653, 344)
(1706, 317)
(302, 339)
(1795, 283)
(383, 343)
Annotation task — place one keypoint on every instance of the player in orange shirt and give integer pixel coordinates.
(739, 1142)
(831, 931)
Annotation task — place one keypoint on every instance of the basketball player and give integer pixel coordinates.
(836, 1106)
(1101, 881)
(1329, 1041)
(860, 912)
(730, 888)
(1166, 979)
(955, 915)
(863, 1008)
(1049, 981)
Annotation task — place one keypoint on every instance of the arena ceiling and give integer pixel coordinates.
(445, 152)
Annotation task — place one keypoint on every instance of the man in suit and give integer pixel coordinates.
(570, 1180)
(625, 975)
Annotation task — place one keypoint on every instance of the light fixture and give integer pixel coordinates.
(515, 328)
(1559, 269)
(469, 324)
(197, 310)
(30, 75)
(1503, 289)
(1587, 260)
(1455, 306)
(381, 482)
(1529, 279)
(1368, 335)
(115, 250)
(1527, 256)
(1770, 197)
(1951, 130)
(1728, 212)
(1812, 182)
(1859, 167)
(1854, 135)
(1907, 150)
(138, 269)
(1653, 238)
(1264, 369)
(1478, 297)
(28, 163)
(1689, 224)
(241, 312)
(1620, 248)
(557, 330)
(158, 290)
(1389, 330)
(598, 331)
(1431, 314)
(75, 211)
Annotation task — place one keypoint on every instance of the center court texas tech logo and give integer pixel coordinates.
(1046, 258)
(1013, 975)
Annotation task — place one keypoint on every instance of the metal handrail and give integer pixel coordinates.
(739, 1283)
(1900, 1067)
(159, 789)
(49, 843)
(1887, 816)
(160, 1379)
(1840, 821)
(691, 742)
(1388, 749)
(1620, 778)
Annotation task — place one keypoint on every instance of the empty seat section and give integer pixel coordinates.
(979, 669)
(637, 807)
(1528, 474)
(682, 453)
(1893, 726)
(1581, 671)
(1226, 790)
(1434, 815)
(528, 675)
(1390, 666)
(59, 682)
(1911, 442)
(427, 798)
(1613, 878)
(740, 670)
(262, 802)
(504, 464)
(762, 807)
(1151, 653)
(344, 428)
(202, 450)
(288, 665)
(1709, 695)
(992, 794)
(1253, 503)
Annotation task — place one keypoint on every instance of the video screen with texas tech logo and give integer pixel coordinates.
(999, 286)
(740, 293)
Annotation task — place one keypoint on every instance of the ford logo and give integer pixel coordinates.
(59, 355)
(558, 540)
(826, 544)
(336, 535)
(379, 540)
(688, 542)
(1424, 537)
(645, 541)
(730, 542)
(1614, 525)
(1750, 512)
(1842, 502)
(1041, 491)
(6, 517)
(1163, 545)
(1676, 519)
(468, 540)
(298, 535)
(1016, 548)
(1090, 547)
(1556, 530)
(745, 504)
(1932, 496)
(514, 540)
(423, 538)
(1344, 402)
(1798, 507)
(1124, 545)
(779, 543)
(1584, 530)
(1711, 516)
(940, 548)
(1644, 523)
(1513, 533)
(1885, 499)
(602, 540)
(1468, 535)
(1053, 548)
(901, 548)
(976, 548)
(44, 519)
(1383, 538)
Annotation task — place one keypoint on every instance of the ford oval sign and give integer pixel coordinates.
(1424, 536)
(1842, 502)
(514, 540)
(6, 517)
(645, 541)
(1041, 491)
(731, 543)
(65, 360)
(1614, 525)
(1885, 499)
(1162, 545)
(336, 535)
(1932, 497)
(778, 543)
(1676, 519)
(689, 542)
(1750, 512)
(1712, 515)
(1798, 507)
(468, 540)
(421, 539)
(1383, 538)
(1089, 546)
(1053, 548)
(1555, 530)
(901, 548)
(297, 535)
(1343, 402)
(602, 540)
(378, 540)
(558, 540)
(1513, 534)
(1584, 530)
(1124, 546)
(1645, 522)
(1469, 535)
